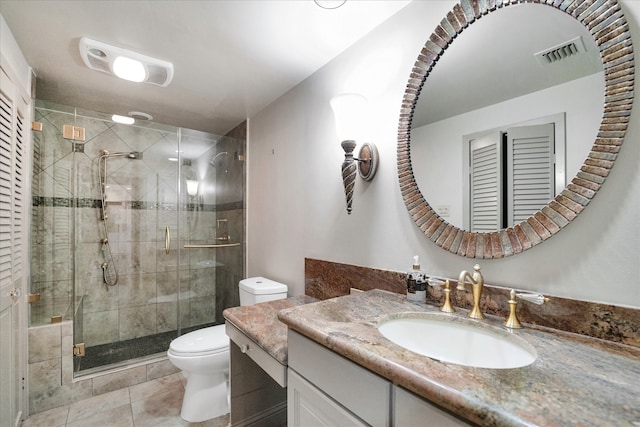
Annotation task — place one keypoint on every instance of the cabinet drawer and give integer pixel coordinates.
(364, 393)
(308, 406)
(268, 363)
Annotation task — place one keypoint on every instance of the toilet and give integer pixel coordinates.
(203, 355)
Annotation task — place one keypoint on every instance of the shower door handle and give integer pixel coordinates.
(167, 240)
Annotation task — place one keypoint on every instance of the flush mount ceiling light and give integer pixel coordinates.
(125, 120)
(125, 64)
(129, 69)
(138, 115)
(330, 4)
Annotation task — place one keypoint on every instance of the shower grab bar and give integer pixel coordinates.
(167, 240)
(225, 245)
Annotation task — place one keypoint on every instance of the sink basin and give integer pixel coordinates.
(457, 340)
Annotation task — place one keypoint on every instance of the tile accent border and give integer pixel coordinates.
(38, 201)
(326, 279)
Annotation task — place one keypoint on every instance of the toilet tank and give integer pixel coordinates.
(258, 289)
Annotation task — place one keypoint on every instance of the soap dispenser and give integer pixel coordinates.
(416, 283)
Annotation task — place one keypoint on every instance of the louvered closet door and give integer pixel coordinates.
(531, 162)
(12, 224)
(485, 183)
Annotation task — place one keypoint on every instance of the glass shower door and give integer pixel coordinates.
(126, 266)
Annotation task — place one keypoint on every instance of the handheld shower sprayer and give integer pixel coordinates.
(109, 279)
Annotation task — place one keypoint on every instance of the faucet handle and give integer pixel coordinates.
(537, 299)
(512, 321)
(477, 275)
(434, 282)
(446, 306)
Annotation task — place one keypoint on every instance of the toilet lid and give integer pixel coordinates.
(207, 340)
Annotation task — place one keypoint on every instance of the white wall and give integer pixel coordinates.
(296, 200)
(11, 56)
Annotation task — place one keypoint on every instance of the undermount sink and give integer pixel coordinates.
(458, 340)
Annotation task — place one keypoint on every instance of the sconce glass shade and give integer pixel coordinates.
(349, 110)
(192, 187)
(190, 178)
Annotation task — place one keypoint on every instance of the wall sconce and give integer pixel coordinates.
(192, 187)
(190, 178)
(349, 110)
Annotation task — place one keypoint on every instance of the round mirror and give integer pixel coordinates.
(489, 135)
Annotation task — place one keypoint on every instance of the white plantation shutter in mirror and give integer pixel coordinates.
(485, 183)
(530, 154)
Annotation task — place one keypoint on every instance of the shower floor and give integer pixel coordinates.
(121, 351)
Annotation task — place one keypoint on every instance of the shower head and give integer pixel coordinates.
(212, 161)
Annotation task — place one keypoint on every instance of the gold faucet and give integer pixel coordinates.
(477, 283)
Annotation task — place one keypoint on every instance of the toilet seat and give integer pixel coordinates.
(202, 342)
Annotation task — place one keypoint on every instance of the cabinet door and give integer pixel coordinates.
(411, 410)
(310, 407)
(363, 393)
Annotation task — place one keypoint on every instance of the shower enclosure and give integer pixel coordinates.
(137, 232)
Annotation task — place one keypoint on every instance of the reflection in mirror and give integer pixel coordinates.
(481, 88)
(605, 24)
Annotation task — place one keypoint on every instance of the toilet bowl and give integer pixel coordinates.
(203, 355)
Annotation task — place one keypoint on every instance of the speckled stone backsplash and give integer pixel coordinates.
(324, 279)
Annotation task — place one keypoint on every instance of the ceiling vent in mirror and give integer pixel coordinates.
(102, 57)
(562, 51)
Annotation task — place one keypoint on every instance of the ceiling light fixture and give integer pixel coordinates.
(123, 119)
(129, 69)
(330, 4)
(126, 64)
(138, 115)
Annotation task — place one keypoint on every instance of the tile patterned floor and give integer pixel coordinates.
(152, 404)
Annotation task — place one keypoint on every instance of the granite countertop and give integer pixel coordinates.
(260, 323)
(575, 381)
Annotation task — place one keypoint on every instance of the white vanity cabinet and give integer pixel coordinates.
(326, 389)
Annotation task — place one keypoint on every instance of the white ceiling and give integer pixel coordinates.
(231, 58)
